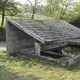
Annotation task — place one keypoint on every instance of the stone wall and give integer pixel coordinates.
(17, 39)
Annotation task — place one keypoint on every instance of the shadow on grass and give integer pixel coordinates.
(6, 74)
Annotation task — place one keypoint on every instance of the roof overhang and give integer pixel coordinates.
(26, 31)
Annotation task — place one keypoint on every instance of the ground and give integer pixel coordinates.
(22, 68)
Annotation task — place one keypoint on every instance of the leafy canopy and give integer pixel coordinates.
(6, 4)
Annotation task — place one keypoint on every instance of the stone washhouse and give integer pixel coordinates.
(41, 35)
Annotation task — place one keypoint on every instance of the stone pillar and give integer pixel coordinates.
(7, 33)
(37, 47)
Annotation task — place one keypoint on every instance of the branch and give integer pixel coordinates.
(30, 2)
(39, 1)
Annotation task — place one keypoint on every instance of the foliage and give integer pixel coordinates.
(4, 6)
(54, 9)
(33, 6)
(77, 10)
(15, 11)
(74, 14)
(13, 68)
(67, 10)
(2, 34)
(7, 6)
(72, 50)
(58, 8)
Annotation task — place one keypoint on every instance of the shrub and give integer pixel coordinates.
(2, 34)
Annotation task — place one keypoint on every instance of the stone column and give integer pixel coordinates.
(37, 47)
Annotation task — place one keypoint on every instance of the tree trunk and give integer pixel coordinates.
(3, 14)
(32, 17)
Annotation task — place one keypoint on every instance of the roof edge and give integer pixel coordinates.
(26, 31)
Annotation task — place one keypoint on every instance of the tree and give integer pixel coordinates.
(65, 7)
(59, 8)
(74, 14)
(77, 10)
(52, 7)
(34, 6)
(26, 8)
(15, 10)
(4, 6)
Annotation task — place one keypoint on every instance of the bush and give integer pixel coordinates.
(76, 22)
(2, 34)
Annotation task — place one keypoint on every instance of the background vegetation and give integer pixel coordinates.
(2, 34)
(70, 50)
(67, 10)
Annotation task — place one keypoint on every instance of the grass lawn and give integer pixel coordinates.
(13, 68)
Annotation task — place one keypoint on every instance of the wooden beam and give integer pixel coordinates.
(52, 45)
(53, 53)
(37, 47)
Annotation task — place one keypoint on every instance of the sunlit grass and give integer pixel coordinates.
(14, 68)
(72, 50)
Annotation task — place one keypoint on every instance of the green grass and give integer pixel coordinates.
(13, 68)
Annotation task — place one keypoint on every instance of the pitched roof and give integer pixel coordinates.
(45, 30)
